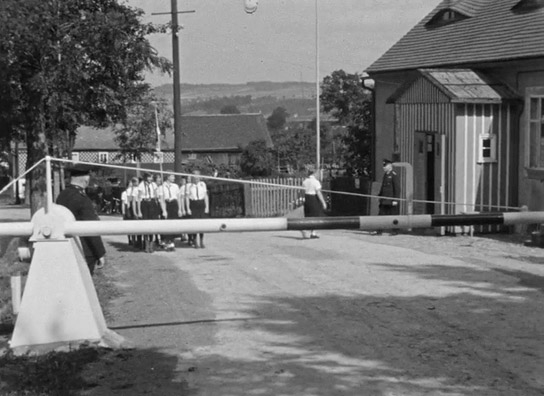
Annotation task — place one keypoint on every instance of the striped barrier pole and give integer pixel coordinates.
(40, 228)
(60, 308)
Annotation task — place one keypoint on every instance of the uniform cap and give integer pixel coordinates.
(76, 171)
(386, 161)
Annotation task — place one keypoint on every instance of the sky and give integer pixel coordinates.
(221, 43)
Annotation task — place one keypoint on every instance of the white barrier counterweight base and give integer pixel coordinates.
(60, 307)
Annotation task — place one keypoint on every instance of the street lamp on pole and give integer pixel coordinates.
(177, 94)
(317, 89)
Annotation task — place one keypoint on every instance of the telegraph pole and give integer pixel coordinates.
(177, 90)
(317, 92)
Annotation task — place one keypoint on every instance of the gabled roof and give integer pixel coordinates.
(199, 133)
(455, 86)
(222, 131)
(491, 31)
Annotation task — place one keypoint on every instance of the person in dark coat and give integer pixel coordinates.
(389, 192)
(76, 200)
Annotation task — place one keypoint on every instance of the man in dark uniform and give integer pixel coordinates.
(390, 192)
(77, 201)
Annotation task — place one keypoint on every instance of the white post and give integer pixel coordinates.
(443, 179)
(16, 293)
(48, 184)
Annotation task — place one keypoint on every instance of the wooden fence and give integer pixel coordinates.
(275, 197)
(271, 199)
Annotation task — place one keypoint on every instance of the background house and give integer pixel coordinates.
(461, 98)
(216, 139)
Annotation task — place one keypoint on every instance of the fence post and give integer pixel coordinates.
(248, 201)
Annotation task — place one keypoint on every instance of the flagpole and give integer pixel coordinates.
(158, 147)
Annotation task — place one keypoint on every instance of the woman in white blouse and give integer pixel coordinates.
(314, 203)
(197, 205)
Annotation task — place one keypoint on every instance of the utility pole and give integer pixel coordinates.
(317, 93)
(177, 90)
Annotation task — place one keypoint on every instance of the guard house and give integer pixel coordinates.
(458, 130)
(460, 98)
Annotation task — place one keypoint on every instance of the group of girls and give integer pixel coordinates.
(151, 198)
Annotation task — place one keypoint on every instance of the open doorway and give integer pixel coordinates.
(424, 172)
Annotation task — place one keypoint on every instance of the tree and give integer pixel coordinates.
(257, 159)
(138, 133)
(343, 95)
(294, 147)
(69, 63)
(277, 119)
(230, 109)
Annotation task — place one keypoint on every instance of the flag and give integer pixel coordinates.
(158, 131)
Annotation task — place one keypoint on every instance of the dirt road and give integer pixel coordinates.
(347, 314)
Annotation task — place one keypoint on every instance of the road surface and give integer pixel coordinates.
(348, 314)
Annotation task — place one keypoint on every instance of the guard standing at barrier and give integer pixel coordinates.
(76, 200)
(197, 205)
(148, 206)
(389, 192)
(170, 206)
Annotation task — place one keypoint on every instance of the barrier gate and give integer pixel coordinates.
(55, 315)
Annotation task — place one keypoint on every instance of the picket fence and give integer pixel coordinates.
(273, 196)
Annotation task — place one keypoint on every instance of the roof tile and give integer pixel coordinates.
(494, 32)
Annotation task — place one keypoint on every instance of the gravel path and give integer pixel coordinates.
(348, 314)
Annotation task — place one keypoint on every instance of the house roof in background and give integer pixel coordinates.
(461, 86)
(199, 133)
(493, 30)
(221, 131)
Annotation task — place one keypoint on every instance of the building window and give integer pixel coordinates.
(75, 157)
(445, 17)
(103, 157)
(535, 127)
(192, 156)
(488, 149)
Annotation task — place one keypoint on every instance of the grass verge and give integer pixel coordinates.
(55, 373)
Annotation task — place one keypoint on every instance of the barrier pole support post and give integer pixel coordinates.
(15, 281)
(48, 184)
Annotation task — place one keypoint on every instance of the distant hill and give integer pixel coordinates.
(254, 89)
(298, 98)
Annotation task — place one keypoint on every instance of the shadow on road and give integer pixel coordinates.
(478, 333)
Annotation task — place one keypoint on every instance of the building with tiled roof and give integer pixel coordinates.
(216, 139)
(460, 100)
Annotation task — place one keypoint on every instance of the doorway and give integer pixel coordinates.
(424, 172)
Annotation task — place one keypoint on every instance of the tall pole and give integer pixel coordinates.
(177, 98)
(177, 91)
(317, 92)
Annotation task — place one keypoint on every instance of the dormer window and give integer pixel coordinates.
(448, 16)
(445, 17)
(528, 5)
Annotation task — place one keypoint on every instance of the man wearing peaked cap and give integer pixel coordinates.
(76, 200)
(389, 192)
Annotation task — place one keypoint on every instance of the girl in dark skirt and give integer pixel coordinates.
(314, 203)
(197, 206)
